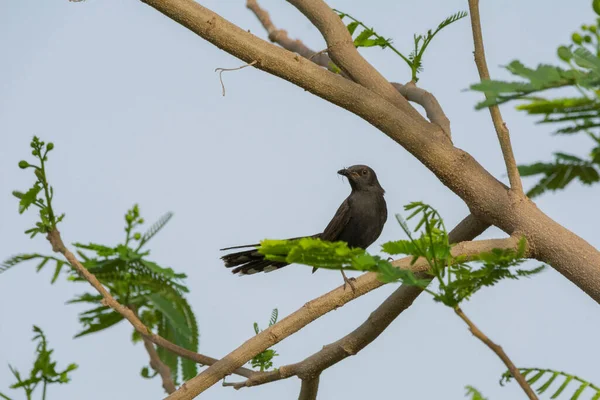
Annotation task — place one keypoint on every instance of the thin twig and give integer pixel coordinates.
(499, 352)
(221, 70)
(499, 124)
(58, 246)
(163, 369)
(309, 389)
(156, 363)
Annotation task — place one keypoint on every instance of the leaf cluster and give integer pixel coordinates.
(367, 37)
(264, 360)
(572, 115)
(156, 293)
(40, 194)
(548, 377)
(43, 371)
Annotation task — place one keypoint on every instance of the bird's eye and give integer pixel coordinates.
(364, 171)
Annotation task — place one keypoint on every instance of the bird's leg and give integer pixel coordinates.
(348, 281)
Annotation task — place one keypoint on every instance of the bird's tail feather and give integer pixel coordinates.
(249, 262)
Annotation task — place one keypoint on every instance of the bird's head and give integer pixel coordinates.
(361, 178)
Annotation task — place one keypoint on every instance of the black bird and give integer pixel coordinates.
(358, 222)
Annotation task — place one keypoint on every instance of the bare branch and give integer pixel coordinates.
(58, 246)
(499, 352)
(163, 369)
(281, 37)
(428, 101)
(309, 389)
(499, 124)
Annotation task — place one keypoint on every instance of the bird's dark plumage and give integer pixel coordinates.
(358, 221)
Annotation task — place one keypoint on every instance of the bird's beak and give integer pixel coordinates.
(347, 173)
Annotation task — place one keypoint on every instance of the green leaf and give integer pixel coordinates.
(352, 27)
(559, 174)
(29, 197)
(474, 393)
(100, 322)
(172, 314)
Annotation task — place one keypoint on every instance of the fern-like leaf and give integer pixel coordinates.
(549, 376)
(274, 315)
(155, 228)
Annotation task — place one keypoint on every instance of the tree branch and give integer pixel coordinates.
(309, 389)
(58, 246)
(499, 352)
(499, 124)
(487, 198)
(377, 322)
(155, 362)
(345, 55)
(281, 37)
(432, 107)
(468, 228)
(410, 91)
(163, 369)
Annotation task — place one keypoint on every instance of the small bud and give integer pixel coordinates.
(34, 152)
(128, 218)
(23, 164)
(596, 6)
(587, 39)
(584, 27)
(576, 38)
(137, 236)
(141, 220)
(50, 146)
(564, 53)
(592, 28)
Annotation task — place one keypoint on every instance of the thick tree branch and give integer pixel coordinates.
(58, 246)
(499, 352)
(309, 389)
(499, 124)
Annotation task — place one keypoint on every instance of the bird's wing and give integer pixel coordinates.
(338, 223)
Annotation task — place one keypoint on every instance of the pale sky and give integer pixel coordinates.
(134, 107)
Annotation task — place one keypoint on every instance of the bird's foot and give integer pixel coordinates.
(348, 281)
